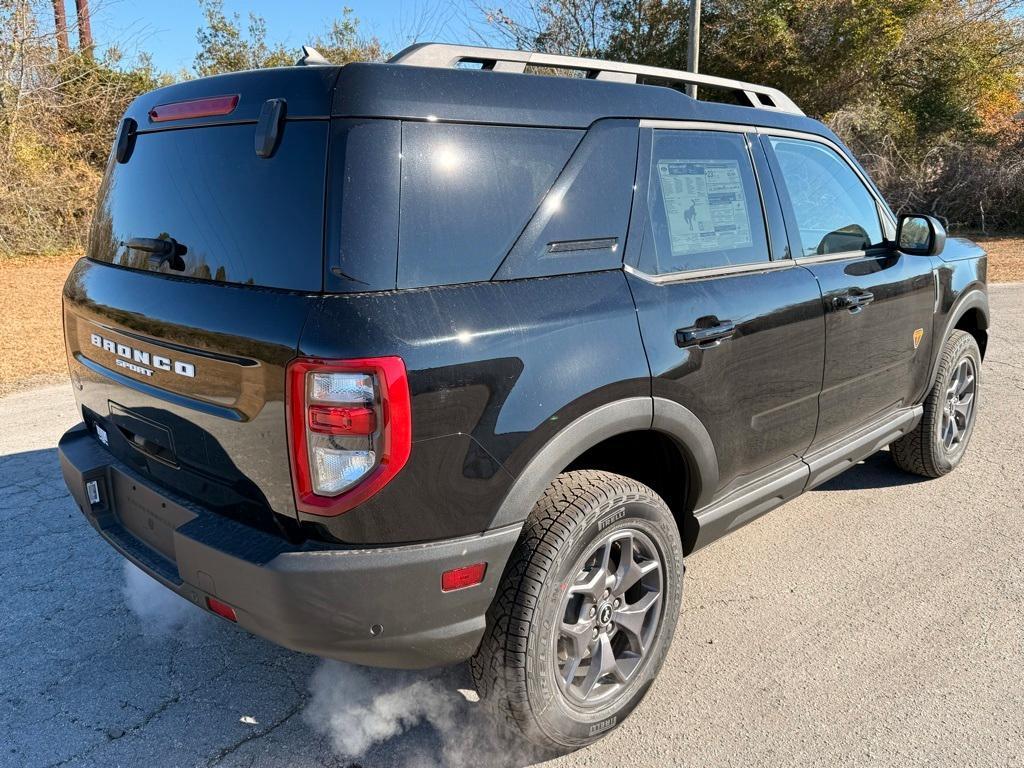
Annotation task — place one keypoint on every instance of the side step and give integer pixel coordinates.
(830, 461)
(748, 503)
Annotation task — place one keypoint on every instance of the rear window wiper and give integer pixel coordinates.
(160, 250)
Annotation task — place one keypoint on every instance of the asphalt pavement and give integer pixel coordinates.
(876, 621)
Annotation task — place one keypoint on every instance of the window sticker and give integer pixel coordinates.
(705, 205)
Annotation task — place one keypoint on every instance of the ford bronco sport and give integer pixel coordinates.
(448, 358)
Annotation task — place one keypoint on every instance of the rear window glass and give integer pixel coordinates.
(467, 191)
(705, 211)
(232, 216)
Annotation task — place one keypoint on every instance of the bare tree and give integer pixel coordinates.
(574, 27)
(423, 20)
(60, 25)
(85, 44)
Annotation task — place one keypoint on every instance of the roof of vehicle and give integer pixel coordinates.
(494, 95)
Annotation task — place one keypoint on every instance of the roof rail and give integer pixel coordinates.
(446, 56)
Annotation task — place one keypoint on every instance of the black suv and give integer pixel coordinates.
(412, 363)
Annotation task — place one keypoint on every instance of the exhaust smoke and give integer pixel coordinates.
(157, 608)
(364, 711)
(370, 717)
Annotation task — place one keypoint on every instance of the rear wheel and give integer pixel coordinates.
(585, 611)
(939, 441)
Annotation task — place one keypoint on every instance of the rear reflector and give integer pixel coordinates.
(221, 609)
(460, 578)
(184, 110)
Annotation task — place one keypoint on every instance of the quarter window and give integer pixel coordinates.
(467, 192)
(703, 204)
(834, 211)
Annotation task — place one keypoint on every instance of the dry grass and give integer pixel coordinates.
(1005, 257)
(31, 330)
(31, 335)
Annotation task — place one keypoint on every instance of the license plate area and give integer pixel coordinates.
(146, 515)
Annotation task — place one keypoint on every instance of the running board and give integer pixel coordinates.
(748, 503)
(830, 461)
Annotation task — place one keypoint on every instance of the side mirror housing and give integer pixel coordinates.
(920, 235)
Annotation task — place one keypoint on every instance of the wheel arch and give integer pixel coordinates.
(969, 313)
(618, 437)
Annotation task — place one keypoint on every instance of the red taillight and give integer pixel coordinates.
(460, 578)
(350, 429)
(353, 420)
(184, 110)
(221, 609)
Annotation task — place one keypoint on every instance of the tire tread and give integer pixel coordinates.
(499, 665)
(918, 451)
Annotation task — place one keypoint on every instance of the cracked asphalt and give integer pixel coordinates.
(876, 621)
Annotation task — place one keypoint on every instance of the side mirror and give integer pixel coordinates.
(920, 235)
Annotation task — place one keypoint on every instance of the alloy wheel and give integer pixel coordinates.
(958, 409)
(610, 616)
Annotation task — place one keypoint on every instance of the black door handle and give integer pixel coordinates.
(705, 336)
(852, 301)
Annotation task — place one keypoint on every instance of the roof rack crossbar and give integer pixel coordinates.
(448, 56)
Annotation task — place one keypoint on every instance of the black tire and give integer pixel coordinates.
(925, 450)
(517, 667)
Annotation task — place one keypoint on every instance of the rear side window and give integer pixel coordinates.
(834, 211)
(198, 202)
(467, 191)
(703, 204)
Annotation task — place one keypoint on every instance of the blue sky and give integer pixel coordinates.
(167, 28)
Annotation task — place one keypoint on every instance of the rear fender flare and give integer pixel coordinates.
(632, 414)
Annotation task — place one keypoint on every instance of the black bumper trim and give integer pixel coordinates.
(315, 600)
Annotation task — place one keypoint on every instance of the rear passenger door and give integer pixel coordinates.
(733, 329)
(878, 302)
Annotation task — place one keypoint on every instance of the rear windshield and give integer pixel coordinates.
(199, 202)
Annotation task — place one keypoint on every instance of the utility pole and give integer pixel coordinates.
(693, 45)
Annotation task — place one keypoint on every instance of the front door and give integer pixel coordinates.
(878, 302)
(733, 328)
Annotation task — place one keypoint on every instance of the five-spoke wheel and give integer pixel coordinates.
(585, 611)
(938, 442)
(959, 405)
(611, 612)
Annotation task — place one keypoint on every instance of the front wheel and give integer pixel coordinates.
(939, 441)
(585, 611)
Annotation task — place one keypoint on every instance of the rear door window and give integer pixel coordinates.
(703, 204)
(224, 213)
(467, 192)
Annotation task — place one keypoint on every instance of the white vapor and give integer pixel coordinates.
(359, 708)
(363, 712)
(158, 609)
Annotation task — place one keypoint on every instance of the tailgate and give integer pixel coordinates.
(185, 381)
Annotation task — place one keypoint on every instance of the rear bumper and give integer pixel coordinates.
(319, 601)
